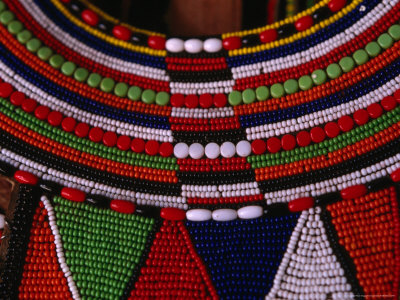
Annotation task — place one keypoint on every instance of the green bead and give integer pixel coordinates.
(68, 68)
(385, 41)
(6, 17)
(15, 27)
(24, 36)
(319, 76)
(2, 6)
(33, 45)
(235, 98)
(121, 89)
(333, 71)
(45, 53)
(248, 96)
(162, 98)
(107, 84)
(148, 96)
(291, 86)
(347, 64)
(373, 49)
(277, 90)
(81, 74)
(305, 82)
(56, 61)
(94, 80)
(394, 31)
(360, 56)
(262, 93)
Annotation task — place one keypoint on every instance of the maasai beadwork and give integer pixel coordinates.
(257, 164)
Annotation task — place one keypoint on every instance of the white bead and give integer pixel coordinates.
(193, 46)
(250, 212)
(212, 150)
(181, 150)
(224, 214)
(198, 215)
(196, 151)
(243, 148)
(2, 221)
(212, 45)
(228, 149)
(174, 45)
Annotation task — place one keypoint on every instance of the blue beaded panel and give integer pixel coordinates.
(242, 256)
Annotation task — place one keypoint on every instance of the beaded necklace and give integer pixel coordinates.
(256, 164)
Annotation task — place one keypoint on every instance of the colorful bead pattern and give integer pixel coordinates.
(247, 165)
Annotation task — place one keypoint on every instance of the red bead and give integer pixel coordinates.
(336, 5)
(122, 206)
(5, 89)
(354, 191)
(96, 134)
(156, 42)
(151, 147)
(123, 142)
(304, 23)
(395, 175)
(231, 43)
(29, 105)
(82, 129)
(220, 100)
(121, 32)
(173, 214)
(361, 116)
(396, 96)
(288, 142)
(258, 146)
(374, 110)
(346, 123)
(25, 177)
(301, 204)
(205, 100)
(166, 149)
(110, 139)
(68, 124)
(388, 103)
(268, 35)
(191, 101)
(41, 112)
(177, 100)
(303, 138)
(273, 144)
(90, 17)
(17, 98)
(317, 134)
(54, 118)
(73, 194)
(137, 145)
(332, 129)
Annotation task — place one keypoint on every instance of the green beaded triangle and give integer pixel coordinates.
(102, 247)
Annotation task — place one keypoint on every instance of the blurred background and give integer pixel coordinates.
(201, 17)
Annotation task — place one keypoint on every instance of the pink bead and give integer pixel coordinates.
(156, 42)
(354, 191)
(73, 194)
(123, 206)
(25, 177)
(301, 204)
(173, 214)
(231, 43)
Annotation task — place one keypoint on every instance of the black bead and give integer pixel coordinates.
(251, 40)
(6, 169)
(50, 187)
(277, 209)
(327, 198)
(98, 201)
(286, 30)
(379, 184)
(321, 14)
(148, 211)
